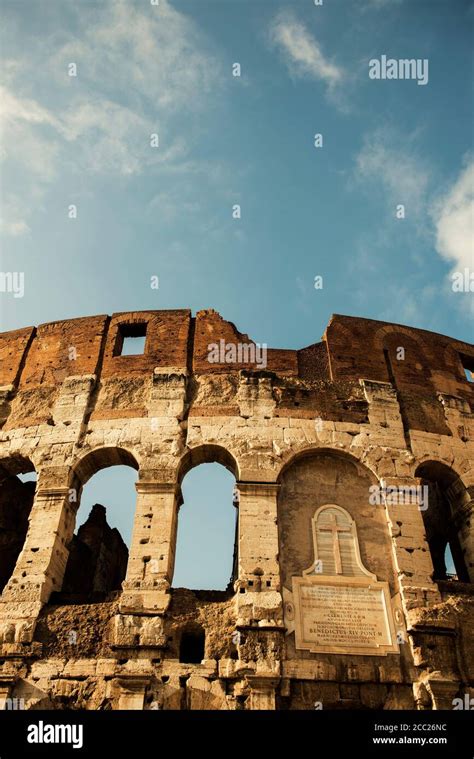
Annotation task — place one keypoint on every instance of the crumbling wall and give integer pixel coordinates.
(75, 631)
(313, 426)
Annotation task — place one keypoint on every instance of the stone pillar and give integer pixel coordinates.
(442, 690)
(262, 692)
(258, 534)
(146, 589)
(386, 423)
(406, 502)
(258, 582)
(42, 562)
(152, 552)
(6, 685)
(132, 692)
(411, 552)
(462, 517)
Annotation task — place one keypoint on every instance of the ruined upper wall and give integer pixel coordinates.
(211, 328)
(356, 349)
(317, 426)
(421, 365)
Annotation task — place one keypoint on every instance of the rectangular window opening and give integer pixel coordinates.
(131, 340)
(468, 366)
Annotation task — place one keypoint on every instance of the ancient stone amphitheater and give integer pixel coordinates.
(354, 466)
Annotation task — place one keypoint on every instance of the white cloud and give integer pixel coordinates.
(15, 228)
(302, 52)
(454, 218)
(136, 67)
(153, 55)
(12, 221)
(141, 70)
(389, 161)
(14, 109)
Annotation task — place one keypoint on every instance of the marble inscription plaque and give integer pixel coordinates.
(343, 615)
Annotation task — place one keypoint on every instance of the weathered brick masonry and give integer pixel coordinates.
(316, 426)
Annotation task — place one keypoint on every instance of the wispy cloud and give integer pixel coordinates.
(13, 108)
(389, 162)
(453, 214)
(411, 305)
(302, 53)
(141, 70)
(12, 222)
(153, 55)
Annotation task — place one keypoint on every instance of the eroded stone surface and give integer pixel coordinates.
(317, 426)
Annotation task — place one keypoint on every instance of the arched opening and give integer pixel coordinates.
(99, 548)
(311, 480)
(17, 492)
(206, 548)
(192, 645)
(447, 522)
(449, 563)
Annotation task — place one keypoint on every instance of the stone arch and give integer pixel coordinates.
(101, 458)
(460, 468)
(16, 464)
(316, 477)
(16, 502)
(448, 518)
(389, 329)
(207, 453)
(438, 466)
(228, 521)
(97, 554)
(414, 370)
(308, 451)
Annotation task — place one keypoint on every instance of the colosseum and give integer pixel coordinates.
(353, 460)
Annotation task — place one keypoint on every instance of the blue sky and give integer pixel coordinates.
(206, 523)
(143, 69)
(167, 211)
